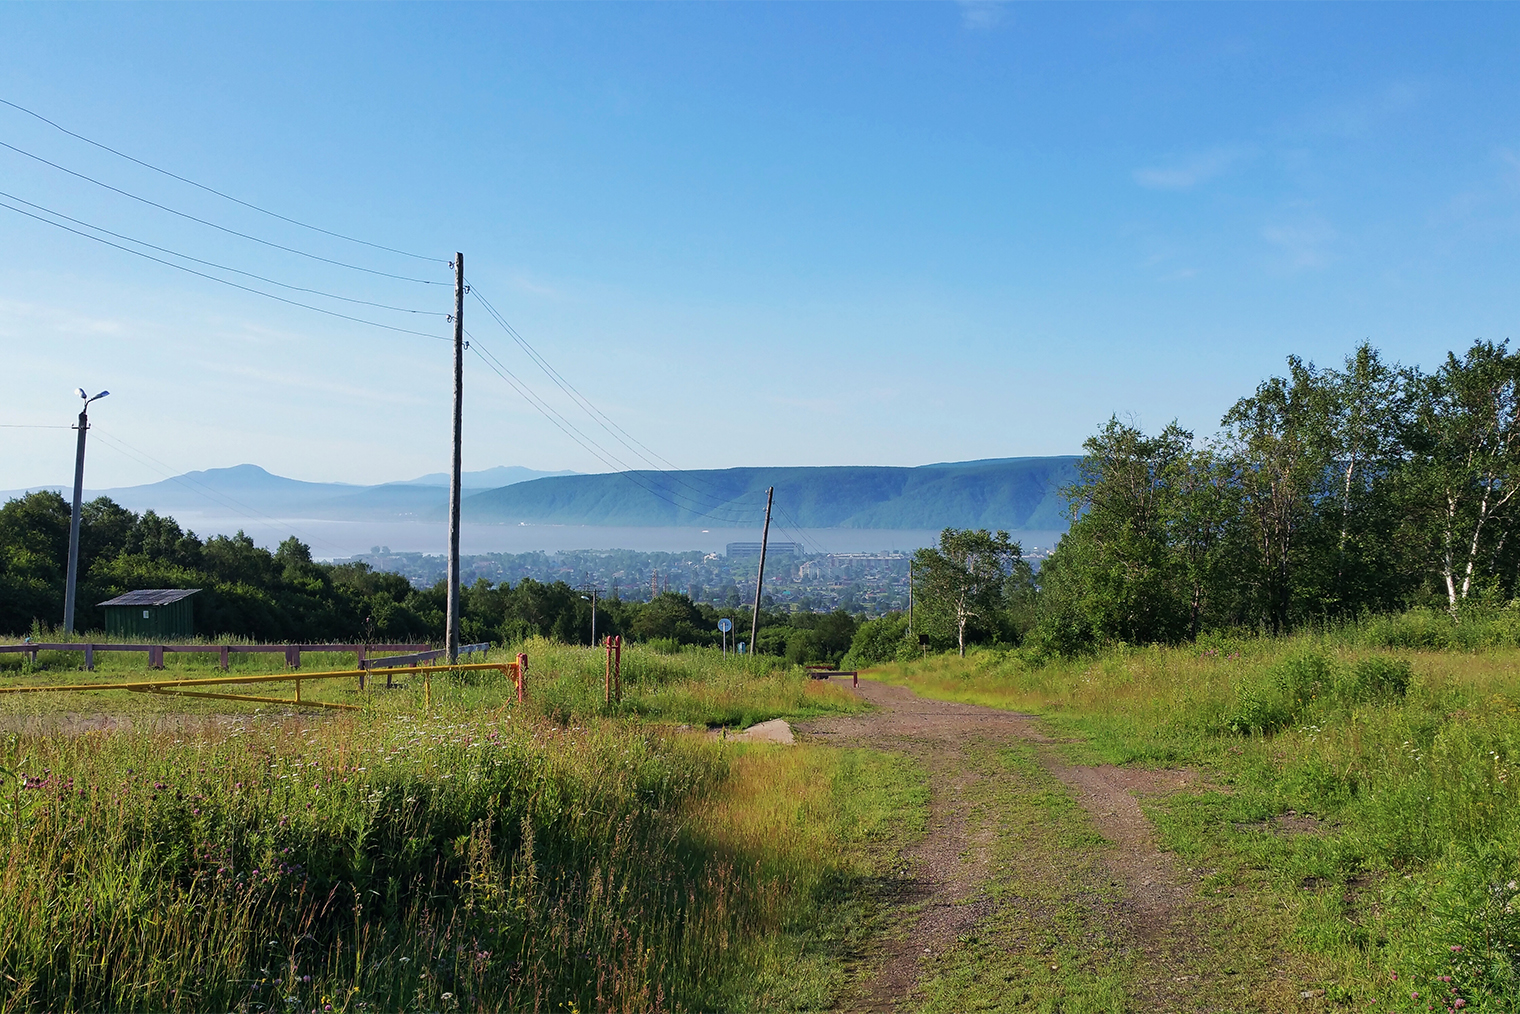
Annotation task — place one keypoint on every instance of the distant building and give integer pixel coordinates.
(744, 550)
(153, 613)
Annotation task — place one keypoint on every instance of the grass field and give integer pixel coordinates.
(473, 856)
(1363, 814)
(1356, 820)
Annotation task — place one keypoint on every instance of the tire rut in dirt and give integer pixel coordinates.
(947, 896)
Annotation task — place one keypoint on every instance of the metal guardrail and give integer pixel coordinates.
(156, 652)
(421, 656)
(391, 661)
(176, 687)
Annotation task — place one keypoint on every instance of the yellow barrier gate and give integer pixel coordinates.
(174, 687)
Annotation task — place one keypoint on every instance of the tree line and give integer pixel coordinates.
(1327, 494)
(284, 595)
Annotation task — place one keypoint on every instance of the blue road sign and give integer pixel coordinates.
(725, 624)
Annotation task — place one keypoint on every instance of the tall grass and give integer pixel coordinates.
(1409, 754)
(698, 686)
(475, 857)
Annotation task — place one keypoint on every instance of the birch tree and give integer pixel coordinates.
(1467, 464)
(965, 575)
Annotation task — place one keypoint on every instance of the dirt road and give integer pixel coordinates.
(975, 879)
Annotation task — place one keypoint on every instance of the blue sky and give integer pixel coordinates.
(748, 234)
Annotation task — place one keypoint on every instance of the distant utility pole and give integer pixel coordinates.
(765, 536)
(452, 635)
(73, 576)
(592, 589)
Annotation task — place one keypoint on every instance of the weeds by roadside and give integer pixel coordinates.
(474, 857)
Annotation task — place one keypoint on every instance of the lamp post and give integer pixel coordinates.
(73, 575)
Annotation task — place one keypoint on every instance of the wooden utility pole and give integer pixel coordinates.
(765, 536)
(452, 635)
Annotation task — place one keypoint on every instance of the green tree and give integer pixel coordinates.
(1466, 465)
(1198, 513)
(965, 576)
(1280, 438)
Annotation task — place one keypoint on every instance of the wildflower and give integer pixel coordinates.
(1455, 948)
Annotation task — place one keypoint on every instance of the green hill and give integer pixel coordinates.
(1010, 493)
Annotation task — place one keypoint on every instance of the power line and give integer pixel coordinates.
(218, 193)
(34, 426)
(214, 264)
(224, 281)
(543, 364)
(607, 457)
(213, 225)
(798, 530)
(597, 415)
(608, 424)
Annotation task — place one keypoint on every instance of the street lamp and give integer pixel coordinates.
(73, 576)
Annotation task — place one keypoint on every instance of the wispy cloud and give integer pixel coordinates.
(981, 15)
(1509, 172)
(57, 320)
(1364, 114)
(1189, 171)
(1306, 242)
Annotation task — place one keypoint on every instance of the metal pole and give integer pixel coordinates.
(70, 586)
(593, 615)
(452, 636)
(765, 535)
(910, 596)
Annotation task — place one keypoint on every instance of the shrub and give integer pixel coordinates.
(1305, 677)
(877, 641)
(1261, 708)
(1378, 677)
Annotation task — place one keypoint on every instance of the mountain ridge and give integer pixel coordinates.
(1016, 494)
(1011, 493)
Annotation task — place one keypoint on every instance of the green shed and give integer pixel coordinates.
(155, 614)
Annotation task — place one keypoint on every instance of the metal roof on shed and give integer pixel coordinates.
(150, 597)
